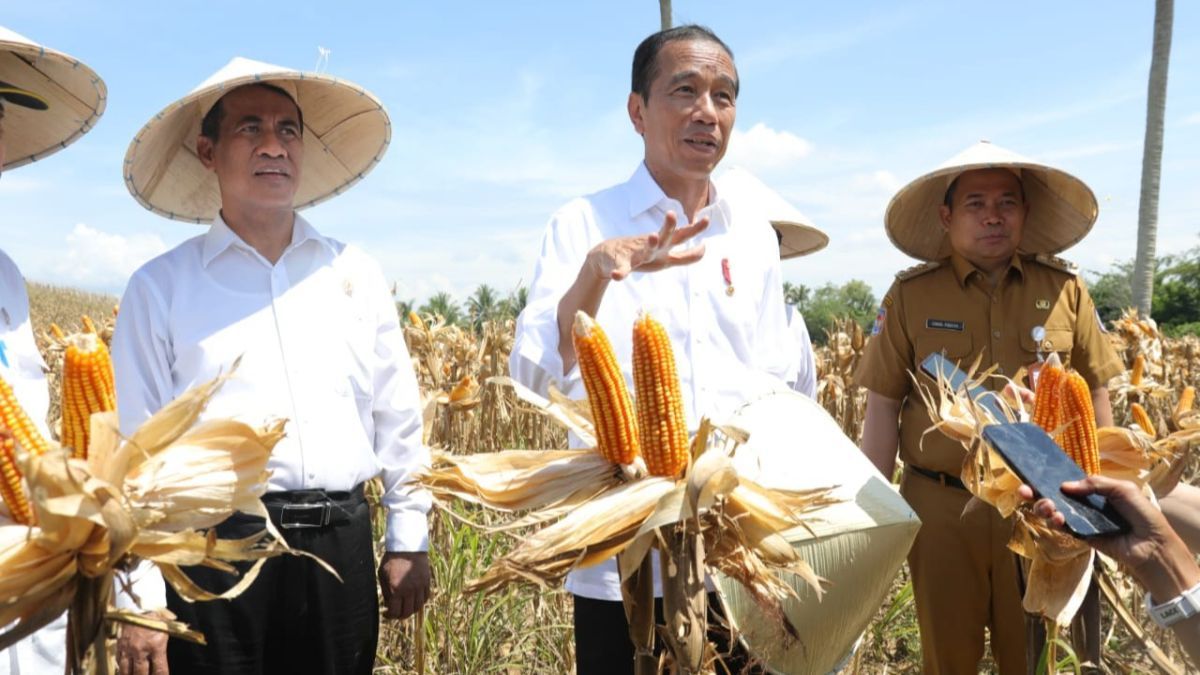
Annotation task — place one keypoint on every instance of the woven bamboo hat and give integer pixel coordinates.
(1062, 208)
(52, 99)
(799, 237)
(346, 131)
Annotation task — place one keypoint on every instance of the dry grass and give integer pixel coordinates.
(529, 631)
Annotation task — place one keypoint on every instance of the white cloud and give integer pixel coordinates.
(763, 148)
(101, 260)
(1191, 120)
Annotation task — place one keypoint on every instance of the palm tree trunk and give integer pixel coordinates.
(664, 13)
(1156, 104)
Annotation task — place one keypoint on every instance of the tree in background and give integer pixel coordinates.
(1156, 106)
(515, 303)
(484, 305)
(1176, 292)
(853, 299)
(796, 295)
(441, 304)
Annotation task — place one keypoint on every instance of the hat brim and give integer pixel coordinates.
(1062, 208)
(346, 132)
(798, 239)
(58, 99)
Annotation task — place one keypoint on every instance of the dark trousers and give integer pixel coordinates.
(603, 647)
(296, 617)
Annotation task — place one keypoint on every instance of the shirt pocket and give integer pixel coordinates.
(1059, 339)
(957, 347)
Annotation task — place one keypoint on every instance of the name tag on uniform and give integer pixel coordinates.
(944, 324)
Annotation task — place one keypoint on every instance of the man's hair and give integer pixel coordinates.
(645, 57)
(210, 126)
(948, 200)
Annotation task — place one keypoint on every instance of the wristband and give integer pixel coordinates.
(1183, 606)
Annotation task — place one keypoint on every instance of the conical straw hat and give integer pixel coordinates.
(71, 94)
(346, 131)
(799, 236)
(1062, 208)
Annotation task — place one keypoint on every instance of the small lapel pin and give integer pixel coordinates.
(727, 276)
(1042, 304)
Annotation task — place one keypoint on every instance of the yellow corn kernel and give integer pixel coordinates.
(87, 388)
(1048, 396)
(14, 419)
(661, 422)
(1142, 418)
(10, 481)
(1138, 371)
(1080, 438)
(608, 395)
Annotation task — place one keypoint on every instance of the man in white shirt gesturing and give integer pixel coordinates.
(615, 252)
(319, 343)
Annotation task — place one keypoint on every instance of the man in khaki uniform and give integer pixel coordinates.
(987, 222)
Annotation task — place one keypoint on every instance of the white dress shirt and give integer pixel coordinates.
(22, 368)
(320, 344)
(806, 362)
(729, 347)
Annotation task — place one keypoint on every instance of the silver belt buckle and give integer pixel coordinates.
(325, 507)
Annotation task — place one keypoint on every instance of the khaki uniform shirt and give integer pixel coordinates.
(948, 306)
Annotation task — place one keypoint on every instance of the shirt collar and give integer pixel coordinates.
(220, 238)
(963, 268)
(645, 193)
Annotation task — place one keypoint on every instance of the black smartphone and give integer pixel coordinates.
(1038, 461)
(936, 364)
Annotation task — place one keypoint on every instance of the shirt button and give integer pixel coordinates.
(996, 334)
(312, 476)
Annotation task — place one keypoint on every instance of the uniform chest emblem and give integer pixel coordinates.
(1042, 303)
(879, 318)
(727, 276)
(944, 324)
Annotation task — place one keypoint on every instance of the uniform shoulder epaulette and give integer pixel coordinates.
(1055, 262)
(918, 270)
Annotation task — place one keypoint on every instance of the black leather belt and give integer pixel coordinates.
(303, 509)
(947, 480)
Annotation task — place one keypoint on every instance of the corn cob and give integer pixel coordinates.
(87, 388)
(10, 481)
(1138, 371)
(463, 389)
(1080, 439)
(57, 332)
(1186, 399)
(415, 320)
(1143, 419)
(661, 422)
(1048, 396)
(14, 419)
(608, 395)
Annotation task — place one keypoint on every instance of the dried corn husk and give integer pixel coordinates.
(1061, 565)
(595, 510)
(148, 498)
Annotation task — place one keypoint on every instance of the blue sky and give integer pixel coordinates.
(503, 111)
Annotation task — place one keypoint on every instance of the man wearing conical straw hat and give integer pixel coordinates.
(664, 240)
(47, 101)
(798, 237)
(311, 323)
(988, 222)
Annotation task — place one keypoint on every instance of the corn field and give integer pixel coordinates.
(528, 630)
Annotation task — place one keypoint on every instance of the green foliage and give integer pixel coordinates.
(1183, 330)
(853, 299)
(441, 304)
(1176, 300)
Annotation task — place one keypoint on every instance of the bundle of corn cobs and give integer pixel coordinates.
(641, 486)
(1061, 566)
(79, 513)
